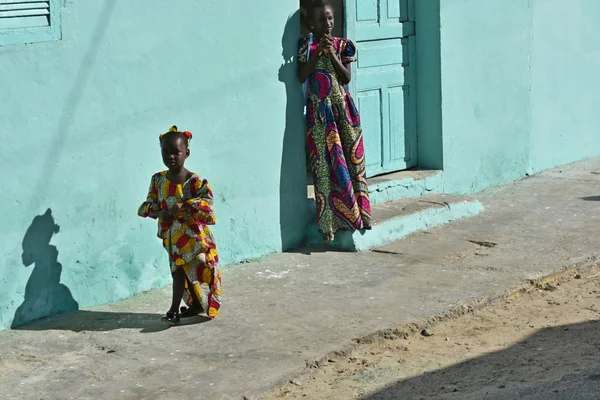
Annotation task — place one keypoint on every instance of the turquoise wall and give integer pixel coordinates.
(486, 117)
(517, 83)
(80, 124)
(565, 64)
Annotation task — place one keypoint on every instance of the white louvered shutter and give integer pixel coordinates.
(15, 14)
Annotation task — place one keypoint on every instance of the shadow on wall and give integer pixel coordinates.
(430, 152)
(292, 185)
(44, 294)
(72, 102)
(547, 365)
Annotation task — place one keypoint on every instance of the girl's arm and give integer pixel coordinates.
(201, 204)
(151, 208)
(305, 69)
(343, 69)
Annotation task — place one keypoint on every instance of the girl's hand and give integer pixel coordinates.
(176, 210)
(328, 41)
(321, 49)
(324, 45)
(166, 216)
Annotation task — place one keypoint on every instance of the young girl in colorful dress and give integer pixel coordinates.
(334, 133)
(182, 203)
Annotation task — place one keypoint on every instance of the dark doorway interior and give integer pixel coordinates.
(338, 6)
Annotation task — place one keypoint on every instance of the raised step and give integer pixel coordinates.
(404, 184)
(398, 185)
(397, 219)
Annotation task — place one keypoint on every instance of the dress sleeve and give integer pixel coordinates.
(201, 204)
(348, 52)
(151, 205)
(303, 50)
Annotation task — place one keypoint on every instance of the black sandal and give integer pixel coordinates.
(189, 312)
(171, 318)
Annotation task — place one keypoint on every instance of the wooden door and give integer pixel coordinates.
(384, 81)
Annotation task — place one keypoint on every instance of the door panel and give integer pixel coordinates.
(366, 11)
(369, 103)
(380, 53)
(397, 123)
(383, 31)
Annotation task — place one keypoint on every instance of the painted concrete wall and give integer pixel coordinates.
(80, 119)
(518, 83)
(565, 61)
(485, 92)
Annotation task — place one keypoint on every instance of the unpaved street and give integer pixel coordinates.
(544, 344)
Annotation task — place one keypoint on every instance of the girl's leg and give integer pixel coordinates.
(172, 316)
(196, 307)
(195, 300)
(178, 288)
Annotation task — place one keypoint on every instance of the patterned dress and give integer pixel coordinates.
(187, 239)
(335, 143)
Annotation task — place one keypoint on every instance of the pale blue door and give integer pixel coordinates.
(383, 83)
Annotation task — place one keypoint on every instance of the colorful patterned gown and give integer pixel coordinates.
(335, 144)
(187, 239)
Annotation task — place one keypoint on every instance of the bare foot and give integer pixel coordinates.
(328, 237)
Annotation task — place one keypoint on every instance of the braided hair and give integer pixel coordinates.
(186, 135)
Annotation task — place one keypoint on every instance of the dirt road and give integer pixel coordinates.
(544, 344)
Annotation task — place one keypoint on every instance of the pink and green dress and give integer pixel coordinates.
(335, 143)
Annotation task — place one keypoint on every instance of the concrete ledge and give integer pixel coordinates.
(404, 184)
(392, 187)
(397, 219)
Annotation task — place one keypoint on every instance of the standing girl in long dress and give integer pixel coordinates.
(334, 133)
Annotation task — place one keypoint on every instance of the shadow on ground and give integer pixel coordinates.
(591, 198)
(315, 249)
(548, 365)
(101, 321)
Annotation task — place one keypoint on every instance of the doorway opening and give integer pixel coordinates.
(399, 107)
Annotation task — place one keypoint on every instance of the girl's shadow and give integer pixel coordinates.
(292, 186)
(44, 294)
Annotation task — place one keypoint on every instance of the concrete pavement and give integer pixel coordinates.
(283, 311)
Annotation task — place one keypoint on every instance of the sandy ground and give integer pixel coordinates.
(537, 345)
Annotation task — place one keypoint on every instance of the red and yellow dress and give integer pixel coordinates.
(189, 242)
